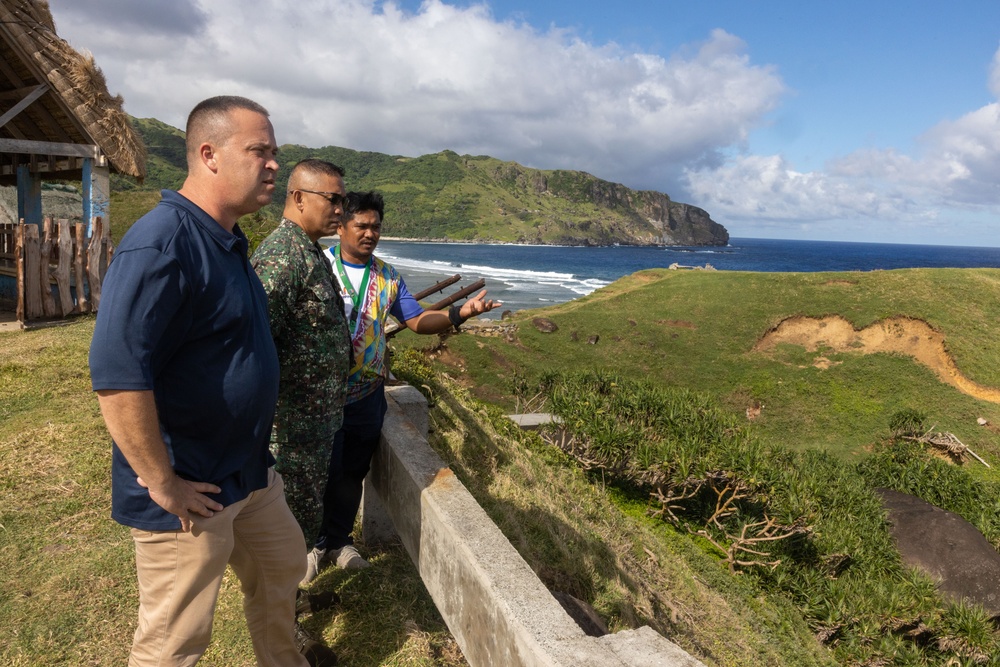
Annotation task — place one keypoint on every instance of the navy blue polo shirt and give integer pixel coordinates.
(183, 314)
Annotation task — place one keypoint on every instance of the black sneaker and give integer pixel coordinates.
(308, 603)
(316, 653)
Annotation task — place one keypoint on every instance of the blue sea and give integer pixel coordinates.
(534, 276)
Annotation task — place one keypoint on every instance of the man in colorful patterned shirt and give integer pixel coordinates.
(372, 291)
(310, 333)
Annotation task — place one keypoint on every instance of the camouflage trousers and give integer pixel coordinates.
(303, 466)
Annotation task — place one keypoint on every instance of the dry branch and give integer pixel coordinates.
(949, 442)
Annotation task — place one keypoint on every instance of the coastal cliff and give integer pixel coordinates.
(637, 217)
(482, 199)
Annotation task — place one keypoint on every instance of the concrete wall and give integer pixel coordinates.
(494, 605)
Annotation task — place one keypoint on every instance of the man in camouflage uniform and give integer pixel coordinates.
(310, 333)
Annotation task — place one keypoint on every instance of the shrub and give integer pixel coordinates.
(805, 524)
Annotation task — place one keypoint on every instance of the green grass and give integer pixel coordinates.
(598, 543)
(67, 575)
(706, 472)
(698, 329)
(68, 594)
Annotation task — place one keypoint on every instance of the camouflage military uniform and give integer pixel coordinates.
(314, 348)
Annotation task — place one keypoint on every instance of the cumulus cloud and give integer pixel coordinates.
(371, 76)
(957, 168)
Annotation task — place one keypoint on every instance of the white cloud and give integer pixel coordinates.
(767, 188)
(371, 76)
(957, 169)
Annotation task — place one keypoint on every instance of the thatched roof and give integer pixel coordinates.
(76, 107)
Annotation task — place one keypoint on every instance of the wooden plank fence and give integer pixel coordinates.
(58, 255)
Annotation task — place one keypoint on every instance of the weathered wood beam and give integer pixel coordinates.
(16, 93)
(37, 92)
(52, 148)
(79, 268)
(45, 268)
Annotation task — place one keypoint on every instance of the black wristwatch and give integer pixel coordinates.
(455, 315)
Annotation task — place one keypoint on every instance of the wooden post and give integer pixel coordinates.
(82, 303)
(44, 263)
(94, 255)
(29, 195)
(96, 191)
(62, 273)
(32, 273)
(19, 267)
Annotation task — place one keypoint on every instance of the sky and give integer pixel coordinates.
(846, 121)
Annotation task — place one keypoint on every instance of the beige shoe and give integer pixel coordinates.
(348, 558)
(315, 561)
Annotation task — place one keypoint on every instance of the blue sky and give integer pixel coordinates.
(866, 121)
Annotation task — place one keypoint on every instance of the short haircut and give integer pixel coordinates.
(314, 166)
(364, 201)
(207, 121)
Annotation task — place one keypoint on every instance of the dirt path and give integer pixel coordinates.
(912, 337)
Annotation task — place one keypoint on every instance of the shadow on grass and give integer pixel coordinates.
(385, 616)
(510, 473)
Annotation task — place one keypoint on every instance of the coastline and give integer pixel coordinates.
(402, 239)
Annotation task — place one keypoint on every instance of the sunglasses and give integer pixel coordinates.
(334, 198)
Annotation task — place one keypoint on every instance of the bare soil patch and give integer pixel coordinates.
(900, 335)
(683, 324)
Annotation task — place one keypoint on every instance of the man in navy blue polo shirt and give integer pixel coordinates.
(186, 374)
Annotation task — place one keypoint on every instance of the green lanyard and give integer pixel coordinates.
(357, 297)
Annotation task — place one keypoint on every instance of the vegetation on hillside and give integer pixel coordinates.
(464, 198)
(804, 524)
(588, 537)
(767, 459)
(699, 330)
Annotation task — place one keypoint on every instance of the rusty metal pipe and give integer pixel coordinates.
(437, 287)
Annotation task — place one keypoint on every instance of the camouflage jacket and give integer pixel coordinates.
(310, 334)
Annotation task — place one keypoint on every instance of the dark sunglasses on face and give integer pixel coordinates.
(334, 198)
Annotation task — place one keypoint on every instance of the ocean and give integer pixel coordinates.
(534, 276)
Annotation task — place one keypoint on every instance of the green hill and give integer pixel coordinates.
(754, 414)
(455, 197)
(704, 330)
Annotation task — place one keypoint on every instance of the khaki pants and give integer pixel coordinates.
(180, 575)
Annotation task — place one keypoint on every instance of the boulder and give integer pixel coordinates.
(544, 324)
(947, 547)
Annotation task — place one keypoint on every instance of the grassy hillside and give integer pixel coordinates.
(771, 462)
(698, 330)
(67, 580)
(462, 197)
(67, 575)
(580, 517)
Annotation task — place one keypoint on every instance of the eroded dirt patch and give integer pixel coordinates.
(900, 335)
(683, 324)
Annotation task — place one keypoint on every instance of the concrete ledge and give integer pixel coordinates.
(531, 421)
(494, 605)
